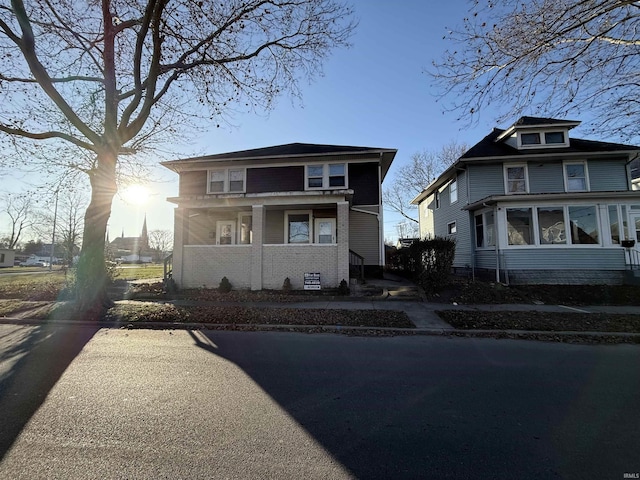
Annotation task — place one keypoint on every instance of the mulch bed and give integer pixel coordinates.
(236, 315)
(542, 321)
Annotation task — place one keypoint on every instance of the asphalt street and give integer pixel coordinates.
(81, 402)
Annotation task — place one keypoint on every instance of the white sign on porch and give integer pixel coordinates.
(312, 281)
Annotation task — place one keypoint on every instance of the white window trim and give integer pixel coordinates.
(505, 175)
(543, 140)
(483, 214)
(501, 228)
(325, 176)
(586, 175)
(286, 225)
(453, 182)
(239, 226)
(226, 180)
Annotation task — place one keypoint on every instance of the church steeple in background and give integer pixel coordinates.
(144, 237)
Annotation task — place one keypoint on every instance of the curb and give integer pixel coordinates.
(541, 335)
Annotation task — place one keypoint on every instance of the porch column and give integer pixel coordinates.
(179, 219)
(257, 225)
(342, 232)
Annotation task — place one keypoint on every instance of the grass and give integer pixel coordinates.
(41, 286)
(139, 272)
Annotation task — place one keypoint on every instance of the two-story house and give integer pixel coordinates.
(260, 216)
(529, 204)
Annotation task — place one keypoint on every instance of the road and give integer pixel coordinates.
(98, 403)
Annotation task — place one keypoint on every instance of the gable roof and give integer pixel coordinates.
(289, 151)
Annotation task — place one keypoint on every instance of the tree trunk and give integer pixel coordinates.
(92, 276)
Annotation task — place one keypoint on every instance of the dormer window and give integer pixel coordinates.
(539, 139)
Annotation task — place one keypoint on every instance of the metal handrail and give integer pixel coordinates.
(357, 261)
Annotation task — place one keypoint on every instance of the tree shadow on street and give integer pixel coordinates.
(33, 359)
(382, 413)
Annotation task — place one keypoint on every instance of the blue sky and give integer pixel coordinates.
(374, 94)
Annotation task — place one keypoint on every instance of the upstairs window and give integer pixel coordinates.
(453, 191)
(516, 179)
(325, 176)
(575, 177)
(530, 139)
(226, 180)
(541, 139)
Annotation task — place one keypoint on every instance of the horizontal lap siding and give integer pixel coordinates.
(607, 175)
(363, 236)
(564, 258)
(192, 183)
(450, 212)
(274, 227)
(275, 179)
(545, 177)
(293, 261)
(205, 266)
(486, 259)
(484, 181)
(363, 180)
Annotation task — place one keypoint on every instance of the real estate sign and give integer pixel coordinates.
(312, 281)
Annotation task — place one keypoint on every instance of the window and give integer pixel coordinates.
(337, 177)
(519, 226)
(530, 139)
(541, 139)
(451, 228)
(575, 177)
(245, 228)
(298, 227)
(1, 257)
(485, 233)
(436, 199)
(614, 224)
(516, 179)
(332, 175)
(551, 226)
(584, 225)
(325, 230)
(453, 191)
(226, 180)
(554, 138)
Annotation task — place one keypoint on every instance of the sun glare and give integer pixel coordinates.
(135, 194)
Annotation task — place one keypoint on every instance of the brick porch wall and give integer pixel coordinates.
(293, 261)
(205, 265)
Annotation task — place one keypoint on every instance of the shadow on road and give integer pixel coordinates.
(34, 359)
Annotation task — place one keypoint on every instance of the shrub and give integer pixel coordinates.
(225, 285)
(428, 262)
(286, 286)
(343, 288)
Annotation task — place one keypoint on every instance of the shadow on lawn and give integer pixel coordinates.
(36, 358)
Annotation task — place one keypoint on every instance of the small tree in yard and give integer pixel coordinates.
(90, 87)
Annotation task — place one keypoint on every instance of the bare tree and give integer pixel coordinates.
(104, 79)
(161, 241)
(547, 58)
(412, 178)
(19, 210)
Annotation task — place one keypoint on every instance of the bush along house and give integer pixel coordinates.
(531, 205)
(261, 216)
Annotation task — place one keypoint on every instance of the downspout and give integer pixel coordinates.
(381, 217)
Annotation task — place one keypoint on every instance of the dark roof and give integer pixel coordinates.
(537, 121)
(488, 147)
(289, 149)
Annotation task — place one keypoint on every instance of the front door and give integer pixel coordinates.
(325, 230)
(226, 232)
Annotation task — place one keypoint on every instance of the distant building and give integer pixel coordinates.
(132, 249)
(7, 257)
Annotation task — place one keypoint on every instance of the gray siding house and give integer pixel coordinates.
(260, 216)
(529, 204)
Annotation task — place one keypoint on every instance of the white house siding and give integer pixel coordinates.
(363, 236)
(206, 265)
(598, 258)
(7, 257)
(293, 261)
(425, 213)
